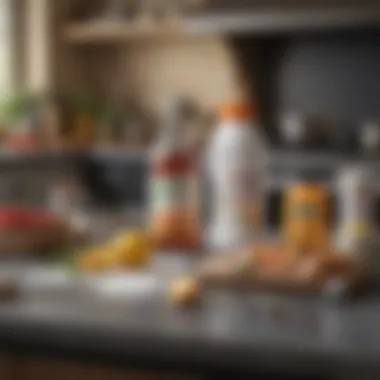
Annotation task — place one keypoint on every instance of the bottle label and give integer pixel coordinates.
(172, 191)
(305, 210)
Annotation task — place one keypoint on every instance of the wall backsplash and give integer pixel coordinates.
(336, 75)
(204, 68)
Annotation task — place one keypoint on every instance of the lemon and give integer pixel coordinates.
(184, 291)
(128, 250)
(92, 261)
(131, 249)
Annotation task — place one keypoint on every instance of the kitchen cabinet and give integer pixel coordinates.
(47, 369)
(6, 366)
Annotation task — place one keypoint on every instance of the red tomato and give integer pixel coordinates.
(24, 217)
(12, 216)
(41, 219)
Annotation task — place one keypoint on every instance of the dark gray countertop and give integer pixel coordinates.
(229, 332)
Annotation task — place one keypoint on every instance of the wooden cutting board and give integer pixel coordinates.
(277, 267)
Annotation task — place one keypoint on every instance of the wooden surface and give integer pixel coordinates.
(6, 366)
(254, 19)
(97, 32)
(49, 369)
(273, 266)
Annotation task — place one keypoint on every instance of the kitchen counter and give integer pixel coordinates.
(228, 334)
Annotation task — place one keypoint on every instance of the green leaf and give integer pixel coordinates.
(16, 106)
(65, 258)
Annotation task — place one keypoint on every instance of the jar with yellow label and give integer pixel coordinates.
(305, 217)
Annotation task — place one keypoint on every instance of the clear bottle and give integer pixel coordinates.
(173, 187)
(236, 164)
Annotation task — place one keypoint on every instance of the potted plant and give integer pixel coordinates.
(17, 109)
(18, 115)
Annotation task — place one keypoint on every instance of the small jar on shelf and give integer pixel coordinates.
(136, 126)
(49, 123)
(106, 122)
(83, 126)
(166, 10)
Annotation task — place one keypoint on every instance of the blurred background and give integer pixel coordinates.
(84, 94)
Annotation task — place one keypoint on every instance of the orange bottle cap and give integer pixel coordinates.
(237, 111)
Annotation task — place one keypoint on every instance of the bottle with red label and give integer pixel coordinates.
(173, 187)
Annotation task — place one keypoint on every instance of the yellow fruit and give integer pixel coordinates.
(92, 261)
(132, 249)
(185, 291)
(128, 250)
(109, 258)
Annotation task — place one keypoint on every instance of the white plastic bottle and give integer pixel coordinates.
(236, 164)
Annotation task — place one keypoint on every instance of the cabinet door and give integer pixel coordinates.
(6, 367)
(47, 369)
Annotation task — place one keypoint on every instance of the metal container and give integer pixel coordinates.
(370, 137)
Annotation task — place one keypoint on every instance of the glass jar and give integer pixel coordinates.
(305, 216)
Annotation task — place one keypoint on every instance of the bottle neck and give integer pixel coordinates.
(238, 121)
(172, 131)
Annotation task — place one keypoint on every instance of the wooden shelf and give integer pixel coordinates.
(107, 31)
(286, 20)
(253, 21)
(10, 161)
